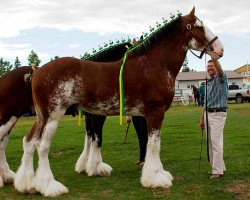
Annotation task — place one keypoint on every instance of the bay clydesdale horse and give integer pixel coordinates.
(16, 99)
(149, 79)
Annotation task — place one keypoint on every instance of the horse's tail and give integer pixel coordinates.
(28, 77)
(34, 67)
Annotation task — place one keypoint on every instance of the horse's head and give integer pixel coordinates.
(201, 37)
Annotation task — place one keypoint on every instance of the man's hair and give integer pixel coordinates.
(210, 61)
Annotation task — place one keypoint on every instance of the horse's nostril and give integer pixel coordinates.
(220, 55)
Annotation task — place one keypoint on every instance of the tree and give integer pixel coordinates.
(5, 66)
(185, 67)
(17, 63)
(33, 59)
(56, 57)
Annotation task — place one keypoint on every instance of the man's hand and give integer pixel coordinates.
(218, 68)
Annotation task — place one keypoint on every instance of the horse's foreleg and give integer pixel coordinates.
(6, 175)
(153, 174)
(45, 182)
(95, 166)
(82, 160)
(140, 125)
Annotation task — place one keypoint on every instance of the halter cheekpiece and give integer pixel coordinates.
(205, 47)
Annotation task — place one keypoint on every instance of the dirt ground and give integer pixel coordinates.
(240, 189)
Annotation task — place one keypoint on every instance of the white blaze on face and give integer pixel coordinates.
(217, 51)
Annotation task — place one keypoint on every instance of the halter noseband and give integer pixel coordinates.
(205, 47)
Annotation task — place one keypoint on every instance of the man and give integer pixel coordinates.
(202, 93)
(196, 95)
(217, 91)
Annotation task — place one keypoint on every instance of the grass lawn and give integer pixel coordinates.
(180, 153)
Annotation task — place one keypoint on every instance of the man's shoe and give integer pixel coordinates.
(216, 176)
(211, 173)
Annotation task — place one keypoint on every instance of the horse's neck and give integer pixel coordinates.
(170, 54)
(111, 55)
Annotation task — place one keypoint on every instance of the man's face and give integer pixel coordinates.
(211, 69)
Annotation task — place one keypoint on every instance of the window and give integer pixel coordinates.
(233, 87)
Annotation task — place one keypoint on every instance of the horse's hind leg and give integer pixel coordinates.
(45, 182)
(6, 175)
(24, 179)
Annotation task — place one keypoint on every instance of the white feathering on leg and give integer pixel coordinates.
(45, 182)
(24, 179)
(153, 174)
(83, 159)
(95, 166)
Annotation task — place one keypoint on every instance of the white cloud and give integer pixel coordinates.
(131, 16)
(72, 46)
(10, 51)
(19, 19)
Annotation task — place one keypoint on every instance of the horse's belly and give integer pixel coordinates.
(102, 110)
(112, 107)
(103, 107)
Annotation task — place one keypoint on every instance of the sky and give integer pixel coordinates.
(73, 27)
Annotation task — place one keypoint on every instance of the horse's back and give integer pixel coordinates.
(67, 69)
(68, 80)
(15, 92)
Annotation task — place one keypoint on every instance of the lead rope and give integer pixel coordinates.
(202, 130)
(202, 136)
(208, 136)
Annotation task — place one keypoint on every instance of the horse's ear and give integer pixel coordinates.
(192, 12)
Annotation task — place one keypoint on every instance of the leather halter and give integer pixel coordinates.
(205, 47)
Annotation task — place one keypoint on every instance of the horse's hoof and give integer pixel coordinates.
(160, 179)
(55, 188)
(24, 181)
(9, 177)
(81, 164)
(103, 169)
(1, 182)
(166, 173)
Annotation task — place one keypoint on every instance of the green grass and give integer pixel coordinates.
(180, 151)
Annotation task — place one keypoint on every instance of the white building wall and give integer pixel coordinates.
(235, 81)
(186, 85)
